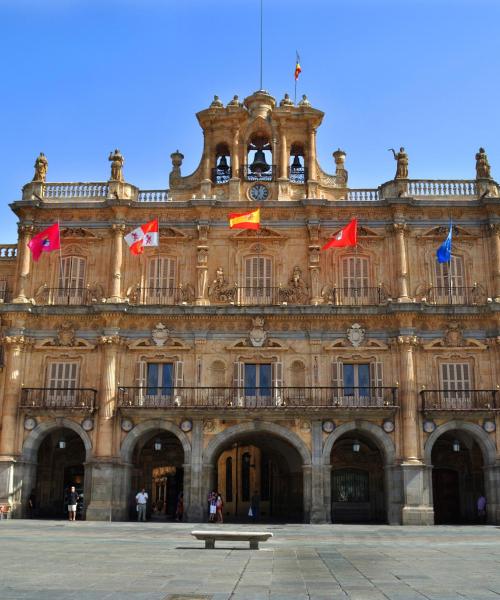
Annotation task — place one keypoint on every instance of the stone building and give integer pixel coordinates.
(348, 385)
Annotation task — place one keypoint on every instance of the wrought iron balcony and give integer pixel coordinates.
(221, 176)
(464, 296)
(355, 296)
(297, 174)
(269, 397)
(456, 400)
(66, 296)
(248, 175)
(55, 398)
(162, 296)
(5, 295)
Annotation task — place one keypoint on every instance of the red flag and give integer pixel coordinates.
(145, 235)
(348, 236)
(46, 241)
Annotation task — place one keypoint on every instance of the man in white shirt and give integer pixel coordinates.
(141, 500)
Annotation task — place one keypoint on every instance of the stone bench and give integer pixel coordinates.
(254, 537)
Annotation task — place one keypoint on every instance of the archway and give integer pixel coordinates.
(259, 465)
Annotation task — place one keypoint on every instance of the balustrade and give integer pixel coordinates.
(259, 397)
(363, 195)
(153, 196)
(459, 399)
(83, 399)
(58, 191)
(432, 187)
(8, 251)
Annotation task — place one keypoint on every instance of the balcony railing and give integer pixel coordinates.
(65, 296)
(153, 196)
(59, 398)
(363, 195)
(248, 175)
(247, 397)
(5, 295)
(355, 296)
(62, 191)
(297, 174)
(460, 399)
(162, 296)
(8, 251)
(221, 176)
(442, 187)
(465, 296)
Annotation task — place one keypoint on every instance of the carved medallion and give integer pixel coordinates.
(356, 335)
(160, 335)
(257, 334)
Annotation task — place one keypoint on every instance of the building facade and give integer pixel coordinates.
(349, 385)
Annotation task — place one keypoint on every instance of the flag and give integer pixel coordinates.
(145, 235)
(46, 241)
(298, 69)
(443, 253)
(348, 236)
(248, 220)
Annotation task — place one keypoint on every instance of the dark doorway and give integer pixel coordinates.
(61, 459)
(446, 491)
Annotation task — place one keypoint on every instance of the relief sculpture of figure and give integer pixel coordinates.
(482, 165)
(297, 291)
(402, 163)
(117, 161)
(41, 166)
(219, 290)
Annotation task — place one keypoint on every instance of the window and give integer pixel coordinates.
(350, 485)
(62, 381)
(160, 287)
(156, 381)
(257, 283)
(356, 376)
(3, 290)
(354, 285)
(160, 379)
(258, 382)
(456, 383)
(357, 384)
(450, 280)
(71, 285)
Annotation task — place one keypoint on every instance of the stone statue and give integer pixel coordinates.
(286, 101)
(41, 166)
(402, 163)
(482, 165)
(216, 103)
(297, 291)
(304, 101)
(117, 161)
(220, 291)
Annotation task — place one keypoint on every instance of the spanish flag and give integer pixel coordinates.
(298, 70)
(248, 220)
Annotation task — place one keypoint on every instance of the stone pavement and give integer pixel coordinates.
(56, 560)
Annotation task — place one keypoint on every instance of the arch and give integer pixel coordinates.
(36, 437)
(138, 431)
(221, 440)
(478, 434)
(374, 432)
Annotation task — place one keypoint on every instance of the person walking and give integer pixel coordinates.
(481, 508)
(212, 506)
(219, 505)
(141, 500)
(73, 498)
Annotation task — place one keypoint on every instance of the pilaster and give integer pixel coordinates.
(318, 513)
(23, 273)
(195, 483)
(401, 231)
(116, 274)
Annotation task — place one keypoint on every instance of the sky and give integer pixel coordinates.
(82, 77)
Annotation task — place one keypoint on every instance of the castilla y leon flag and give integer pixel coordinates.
(145, 235)
(298, 69)
(248, 220)
(45, 241)
(348, 236)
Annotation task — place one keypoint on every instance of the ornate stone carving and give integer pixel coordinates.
(66, 335)
(109, 339)
(257, 335)
(117, 161)
(341, 174)
(356, 334)
(160, 335)
(187, 293)
(297, 291)
(401, 159)
(220, 291)
(483, 170)
(454, 335)
(41, 167)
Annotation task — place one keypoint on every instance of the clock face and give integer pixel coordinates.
(259, 192)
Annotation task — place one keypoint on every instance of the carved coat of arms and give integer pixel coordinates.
(356, 334)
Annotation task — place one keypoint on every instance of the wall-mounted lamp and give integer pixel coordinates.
(157, 445)
(356, 446)
(456, 446)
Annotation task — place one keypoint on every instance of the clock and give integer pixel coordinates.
(259, 192)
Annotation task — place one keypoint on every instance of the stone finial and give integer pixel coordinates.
(117, 161)
(339, 156)
(216, 103)
(401, 159)
(286, 101)
(234, 102)
(177, 158)
(41, 166)
(341, 173)
(304, 101)
(483, 170)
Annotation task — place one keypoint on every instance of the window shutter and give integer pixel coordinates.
(141, 369)
(337, 381)
(377, 381)
(179, 381)
(277, 375)
(239, 383)
(62, 379)
(3, 289)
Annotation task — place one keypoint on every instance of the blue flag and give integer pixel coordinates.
(443, 253)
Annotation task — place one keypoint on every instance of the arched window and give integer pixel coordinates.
(222, 171)
(229, 479)
(160, 288)
(71, 284)
(350, 485)
(450, 281)
(296, 167)
(259, 165)
(257, 280)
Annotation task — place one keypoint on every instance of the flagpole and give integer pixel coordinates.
(261, 44)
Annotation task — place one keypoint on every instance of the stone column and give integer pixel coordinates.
(234, 182)
(306, 491)
(117, 257)
(495, 238)
(284, 156)
(492, 489)
(24, 258)
(401, 229)
(312, 154)
(318, 514)
(206, 184)
(107, 394)
(195, 484)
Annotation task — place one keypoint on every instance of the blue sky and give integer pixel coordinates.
(80, 78)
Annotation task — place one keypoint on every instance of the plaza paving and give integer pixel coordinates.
(51, 560)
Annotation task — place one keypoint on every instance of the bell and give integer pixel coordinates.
(296, 166)
(223, 166)
(259, 164)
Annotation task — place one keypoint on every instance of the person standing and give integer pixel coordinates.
(141, 500)
(179, 511)
(219, 505)
(32, 504)
(255, 506)
(73, 498)
(212, 506)
(481, 508)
